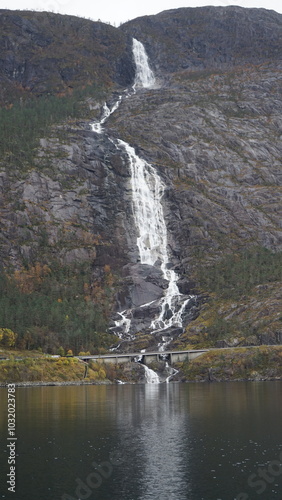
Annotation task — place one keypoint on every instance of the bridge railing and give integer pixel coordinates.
(146, 357)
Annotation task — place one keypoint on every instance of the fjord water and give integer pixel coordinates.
(145, 442)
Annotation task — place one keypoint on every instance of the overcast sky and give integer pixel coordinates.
(117, 11)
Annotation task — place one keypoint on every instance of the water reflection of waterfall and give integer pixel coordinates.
(147, 194)
(156, 429)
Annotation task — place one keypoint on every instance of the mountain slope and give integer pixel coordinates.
(45, 53)
(208, 37)
(212, 129)
(220, 157)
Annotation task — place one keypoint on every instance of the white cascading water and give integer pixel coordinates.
(151, 376)
(172, 372)
(144, 77)
(147, 193)
(97, 126)
(124, 322)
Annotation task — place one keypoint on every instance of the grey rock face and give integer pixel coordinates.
(45, 53)
(208, 37)
(75, 205)
(146, 283)
(217, 144)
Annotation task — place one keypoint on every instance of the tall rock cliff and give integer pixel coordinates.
(44, 53)
(212, 130)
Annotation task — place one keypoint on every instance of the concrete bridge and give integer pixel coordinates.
(146, 357)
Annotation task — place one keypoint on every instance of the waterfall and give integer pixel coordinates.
(172, 372)
(144, 75)
(147, 193)
(124, 322)
(144, 78)
(151, 376)
(97, 126)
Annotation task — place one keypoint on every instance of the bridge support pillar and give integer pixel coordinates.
(149, 358)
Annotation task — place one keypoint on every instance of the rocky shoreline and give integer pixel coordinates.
(109, 382)
(57, 384)
(253, 364)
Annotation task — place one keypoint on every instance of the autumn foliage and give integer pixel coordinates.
(28, 280)
(7, 337)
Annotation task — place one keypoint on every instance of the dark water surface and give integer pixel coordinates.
(146, 442)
